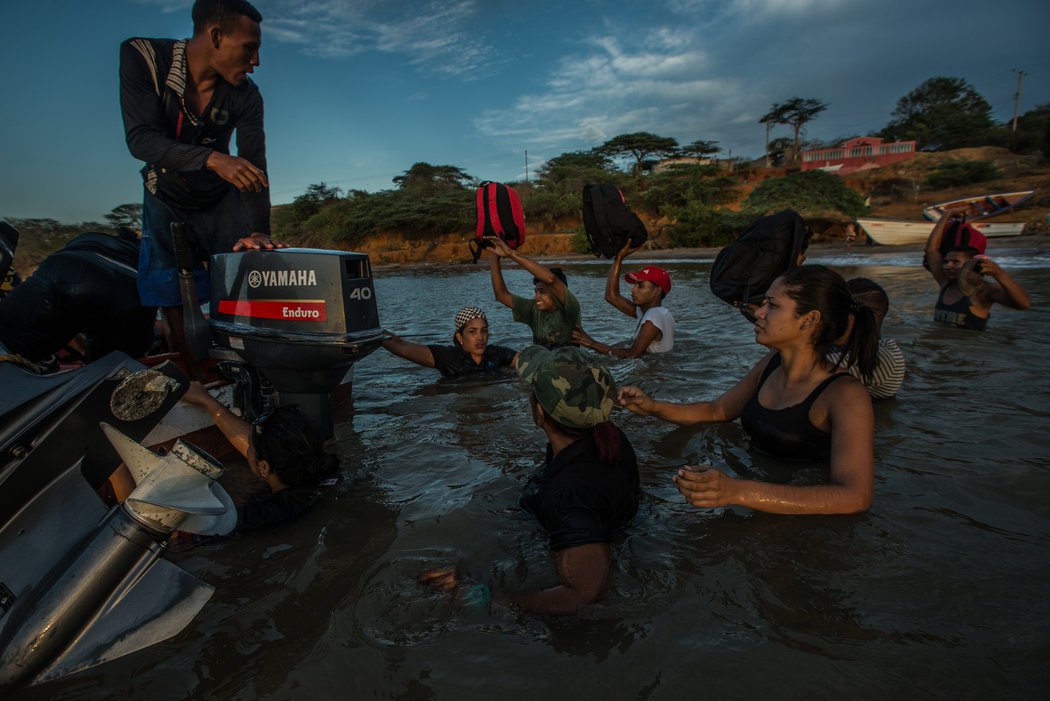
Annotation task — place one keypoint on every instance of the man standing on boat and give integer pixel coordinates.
(181, 101)
(967, 296)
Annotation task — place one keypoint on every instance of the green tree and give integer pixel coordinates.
(576, 167)
(945, 111)
(1031, 136)
(962, 171)
(426, 179)
(559, 184)
(129, 215)
(640, 146)
(700, 149)
(310, 202)
(683, 184)
(811, 192)
(796, 113)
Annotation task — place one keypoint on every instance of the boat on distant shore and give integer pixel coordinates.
(895, 232)
(980, 206)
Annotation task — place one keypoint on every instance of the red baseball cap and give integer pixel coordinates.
(657, 276)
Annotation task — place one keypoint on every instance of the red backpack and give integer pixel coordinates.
(499, 214)
(959, 233)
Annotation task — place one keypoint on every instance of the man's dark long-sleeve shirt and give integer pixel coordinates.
(175, 143)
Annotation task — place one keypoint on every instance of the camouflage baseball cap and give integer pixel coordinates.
(568, 384)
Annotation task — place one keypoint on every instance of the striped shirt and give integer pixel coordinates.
(889, 370)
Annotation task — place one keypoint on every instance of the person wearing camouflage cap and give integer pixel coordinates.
(584, 493)
(571, 389)
(552, 312)
(470, 353)
(654, 331)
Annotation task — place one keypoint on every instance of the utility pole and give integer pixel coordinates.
(526, 165)
(1017, 96)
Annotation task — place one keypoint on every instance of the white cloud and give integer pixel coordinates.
(433, 37)
(609, 89)
(165, 6)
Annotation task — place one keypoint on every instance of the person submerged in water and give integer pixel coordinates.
(470, 353)
(282, 449)
(654, 332)
(795, 403)
(966, 294)
(888, 375)
(586, 490)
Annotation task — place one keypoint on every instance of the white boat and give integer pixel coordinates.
(895, 232)
(980, 206)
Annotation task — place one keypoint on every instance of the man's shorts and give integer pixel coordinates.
(209, 231)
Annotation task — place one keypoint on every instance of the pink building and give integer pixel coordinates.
(861, 153)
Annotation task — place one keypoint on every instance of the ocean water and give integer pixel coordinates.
(941, 590)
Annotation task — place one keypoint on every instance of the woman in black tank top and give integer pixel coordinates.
(794, 403)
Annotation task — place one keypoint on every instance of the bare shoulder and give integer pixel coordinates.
(848, 393)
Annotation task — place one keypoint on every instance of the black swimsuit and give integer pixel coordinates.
(957, 313)
(787, 433)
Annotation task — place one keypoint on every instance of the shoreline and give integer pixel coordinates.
(1037, 243)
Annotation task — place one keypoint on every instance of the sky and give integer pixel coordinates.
(356, 91)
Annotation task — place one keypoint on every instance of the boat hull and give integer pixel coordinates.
(980, 206)
(889, 232)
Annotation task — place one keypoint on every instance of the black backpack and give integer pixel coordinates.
(608, 222)
(499, 213)
(744, 270)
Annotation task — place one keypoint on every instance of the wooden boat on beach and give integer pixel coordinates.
(894, 232)
(980, 206)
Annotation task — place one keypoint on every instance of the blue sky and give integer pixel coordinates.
(357, 91)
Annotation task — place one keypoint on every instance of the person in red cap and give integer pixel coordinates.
(654, 332)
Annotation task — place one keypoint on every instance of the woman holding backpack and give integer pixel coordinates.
(794, 403)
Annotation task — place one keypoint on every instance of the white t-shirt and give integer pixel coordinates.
(661, 319)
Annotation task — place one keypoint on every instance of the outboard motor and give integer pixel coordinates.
(301, 316)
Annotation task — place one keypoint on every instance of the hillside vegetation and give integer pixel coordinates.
(432, 217)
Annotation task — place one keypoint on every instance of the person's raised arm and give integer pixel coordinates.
(417, 353)
(725, 408)
(612, 284)
(1007, 292)
(499, 285)
(537, 270)
(934, 259)
(852, 468)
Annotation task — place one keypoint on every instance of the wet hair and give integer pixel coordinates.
(557, 272)
(606, 437)
(970, 251)
(816, 287)
(223, 13)
(287, 441)
(870, 294)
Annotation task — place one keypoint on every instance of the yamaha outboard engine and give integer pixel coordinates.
(301, 316)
